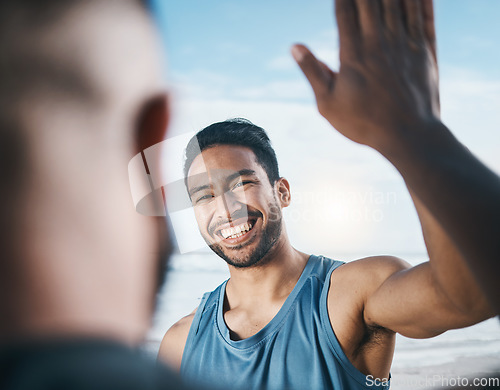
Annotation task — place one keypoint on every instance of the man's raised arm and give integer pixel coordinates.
(386, 95)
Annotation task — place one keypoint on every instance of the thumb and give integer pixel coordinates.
(429, 25)
(320, 76)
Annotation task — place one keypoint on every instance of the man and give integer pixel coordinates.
(81, 94)
(289, 320)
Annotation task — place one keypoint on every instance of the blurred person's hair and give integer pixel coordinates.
(237, 132)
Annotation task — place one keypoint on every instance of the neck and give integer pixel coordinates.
(273, 278)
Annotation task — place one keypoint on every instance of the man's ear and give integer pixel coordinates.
(152, 122)
(284, 193)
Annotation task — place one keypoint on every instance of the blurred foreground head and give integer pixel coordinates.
(80, 95)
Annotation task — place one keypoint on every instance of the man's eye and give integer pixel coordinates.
(240, 184)
(204, 198)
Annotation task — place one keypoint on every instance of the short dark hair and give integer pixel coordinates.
(239, 132)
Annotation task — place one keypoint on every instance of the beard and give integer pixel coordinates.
(269, 236)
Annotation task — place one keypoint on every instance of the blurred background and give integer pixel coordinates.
(231, 59)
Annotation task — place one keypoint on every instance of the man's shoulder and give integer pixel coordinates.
(356, 281)
(174, 341)
(369, 271)
(181, 327)
(179, 331)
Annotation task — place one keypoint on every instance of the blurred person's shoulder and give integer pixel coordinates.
(81, 364)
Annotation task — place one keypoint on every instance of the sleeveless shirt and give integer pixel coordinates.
(297, 349)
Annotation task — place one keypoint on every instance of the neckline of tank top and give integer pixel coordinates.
(275, 322)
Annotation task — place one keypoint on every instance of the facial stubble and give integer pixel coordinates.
(268, 238)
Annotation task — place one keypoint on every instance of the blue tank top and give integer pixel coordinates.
(297, 349)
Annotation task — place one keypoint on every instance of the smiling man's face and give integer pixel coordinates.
(237, 209)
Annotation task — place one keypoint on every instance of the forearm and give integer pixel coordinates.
(460, 192)
(449, 271)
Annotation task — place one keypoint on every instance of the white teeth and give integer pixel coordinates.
(236, 231)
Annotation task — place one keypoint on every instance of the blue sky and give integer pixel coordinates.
(231, 59)
(240, 39)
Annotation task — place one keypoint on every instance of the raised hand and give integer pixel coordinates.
(387, 85)
(386, 95)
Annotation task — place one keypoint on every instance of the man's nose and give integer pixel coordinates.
(227, 204)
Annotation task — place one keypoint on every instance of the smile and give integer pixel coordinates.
(236, 231)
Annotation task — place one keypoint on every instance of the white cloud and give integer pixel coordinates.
(470, 105)
(278, 90)
(202, 83)
(283, 62)
(324, 47)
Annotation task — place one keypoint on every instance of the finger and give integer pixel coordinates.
(414, 19)
(370, 17)
(429, 25)
(317, 73)
(393, 17)
(347, 23)
(430, 35)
